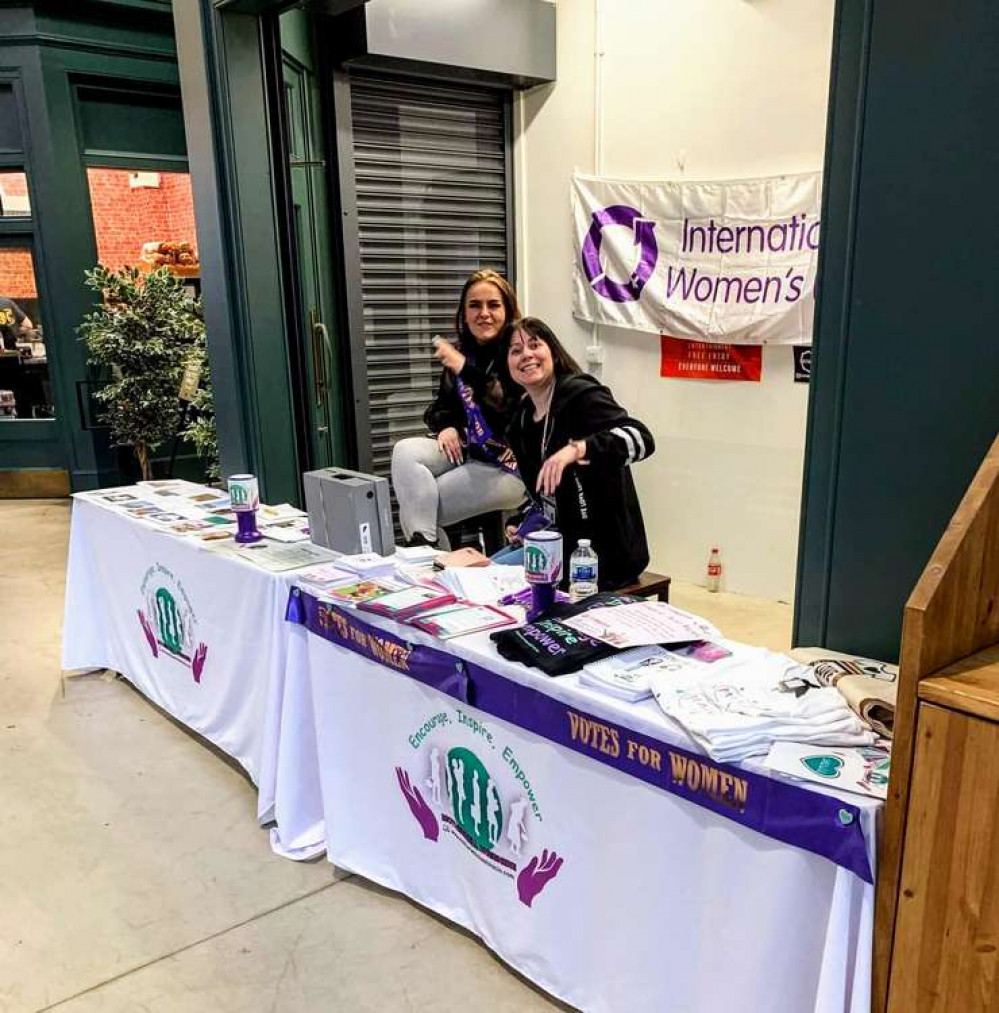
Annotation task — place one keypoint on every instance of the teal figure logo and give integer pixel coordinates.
(168, 621)
(475, 801)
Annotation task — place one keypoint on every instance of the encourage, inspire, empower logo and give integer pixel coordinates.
(168, 620)
(492, 818)
(643, 232)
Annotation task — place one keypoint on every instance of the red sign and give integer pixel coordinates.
(700, 360)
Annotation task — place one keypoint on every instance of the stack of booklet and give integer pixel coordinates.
(626, 675)
(428, 606)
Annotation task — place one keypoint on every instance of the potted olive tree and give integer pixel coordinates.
(142, 336)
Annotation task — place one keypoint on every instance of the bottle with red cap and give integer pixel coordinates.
(714, 570)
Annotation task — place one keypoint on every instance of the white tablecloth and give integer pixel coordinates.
(202, 635)
(607, 892)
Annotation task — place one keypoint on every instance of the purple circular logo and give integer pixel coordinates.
(644, 232)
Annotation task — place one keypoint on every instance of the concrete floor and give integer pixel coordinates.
(132, 870)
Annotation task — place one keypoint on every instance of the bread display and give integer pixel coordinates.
(181, 257)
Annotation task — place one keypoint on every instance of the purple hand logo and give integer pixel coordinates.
(198, 661)
(419, 808)
(148, 630)
(645, 238)
(533, 878)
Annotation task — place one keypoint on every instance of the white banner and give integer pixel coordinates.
(724, 261)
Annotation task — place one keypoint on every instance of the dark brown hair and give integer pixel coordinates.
(563, 363)
(507, 294)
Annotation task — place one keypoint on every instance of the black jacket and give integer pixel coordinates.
(595, 500)
(494, 394)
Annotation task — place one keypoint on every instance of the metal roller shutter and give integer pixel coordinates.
(430, 164)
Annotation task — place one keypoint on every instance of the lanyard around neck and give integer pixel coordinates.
(547, 426)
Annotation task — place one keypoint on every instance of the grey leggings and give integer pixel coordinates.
(432, 492)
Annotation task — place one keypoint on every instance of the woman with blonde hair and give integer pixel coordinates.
(465, 467)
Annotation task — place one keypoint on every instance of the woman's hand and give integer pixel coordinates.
(448, 356)
(449, 444)
(511, 534)
(550, 475)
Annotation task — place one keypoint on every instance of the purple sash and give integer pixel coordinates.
(480, 433)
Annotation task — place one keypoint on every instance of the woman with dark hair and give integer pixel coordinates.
(574, 444)
(465, 468)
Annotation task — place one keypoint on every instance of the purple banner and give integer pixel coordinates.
(786, 812)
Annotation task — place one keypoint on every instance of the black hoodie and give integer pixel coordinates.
(595, 500)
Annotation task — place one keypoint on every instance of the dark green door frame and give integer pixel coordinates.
(306, 225)
(228, 111)
(905, 381)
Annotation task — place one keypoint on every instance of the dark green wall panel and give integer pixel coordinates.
(132, 122)
(905, 397)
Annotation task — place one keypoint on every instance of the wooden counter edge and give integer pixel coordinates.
(970, 685)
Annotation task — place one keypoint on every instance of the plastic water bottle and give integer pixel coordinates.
(582, 571)
(714, 570)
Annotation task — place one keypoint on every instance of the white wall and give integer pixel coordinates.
(695, 89)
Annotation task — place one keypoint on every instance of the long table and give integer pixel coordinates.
(568, 831)
(202, 635)
(583, 839)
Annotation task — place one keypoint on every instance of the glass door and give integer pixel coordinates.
(25, 381)
(32, 455)
(310, 225)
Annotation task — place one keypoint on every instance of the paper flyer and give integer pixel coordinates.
(642, 624)
(861, 769)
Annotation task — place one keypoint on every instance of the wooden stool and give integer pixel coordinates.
(647, 585)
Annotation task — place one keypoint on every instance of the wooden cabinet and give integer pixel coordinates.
(936, 933)
(946, 949)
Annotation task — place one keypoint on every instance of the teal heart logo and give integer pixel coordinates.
(824, 766)
(845, 817)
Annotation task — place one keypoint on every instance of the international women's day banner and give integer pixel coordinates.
(729, 262)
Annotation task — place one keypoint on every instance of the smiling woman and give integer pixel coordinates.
(574, 444)
(465, 467)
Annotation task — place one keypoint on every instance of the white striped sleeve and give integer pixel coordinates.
(626, 436)
(636, 433)
(631, 436)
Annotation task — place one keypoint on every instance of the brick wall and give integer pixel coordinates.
(14, 183)
(17, 275)
(124, 218)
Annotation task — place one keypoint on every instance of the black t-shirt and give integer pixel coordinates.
(557, 649)
(11, 316)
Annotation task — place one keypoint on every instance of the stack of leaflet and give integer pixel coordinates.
(626, 675)
(283, 523)
(325, 576)
(740, 707)
(416, 555)
(368, 565)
